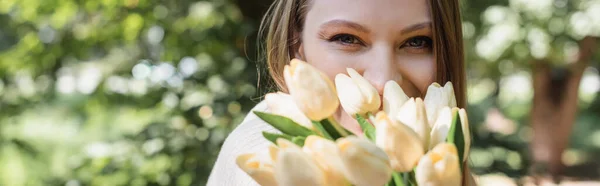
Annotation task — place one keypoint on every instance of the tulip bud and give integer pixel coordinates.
(402, 145)
(326, 154)
(393, 98)
(413, 114)
(439, 167)
(438, 97)
(294, 167)
(364, 163)
(313, 92)
(258, 169)
(464, 120)
(440, 129)
(283, 104)
(356, 94)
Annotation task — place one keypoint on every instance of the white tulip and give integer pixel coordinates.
(464, 120)
(296, 168)
(439, 167)
(442, 125)
(413, 114)
(438, 97)
(356, 94)
(283, 104)
(326, 154)
(312, 90)
(364, 163)
(393, 98)
(402, 145)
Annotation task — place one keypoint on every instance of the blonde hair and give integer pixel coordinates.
(285, 18)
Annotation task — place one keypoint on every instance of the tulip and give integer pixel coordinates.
(393, 98)
(257, 168)
(438, 97)
(356, 94)
(442, 125)
(364, 163)
(440, 130)
(283, 104)
(413, 114)
(439, 167)
(294, 167)
(402, 145)
(464, 120)
(326, 154)
(313, 92)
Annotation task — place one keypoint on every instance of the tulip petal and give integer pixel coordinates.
(326, 154)
(393, 98)
(413, 114)
(372, 101)
(365, 164)
(283, 104)
(261, 173)
(312, 90)
(402, 145)
(440, 129)
(464, 120)
(349, 94)
(296, 168)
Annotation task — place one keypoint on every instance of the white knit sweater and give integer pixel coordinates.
(246, 138)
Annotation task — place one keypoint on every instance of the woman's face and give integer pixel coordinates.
(381, 39)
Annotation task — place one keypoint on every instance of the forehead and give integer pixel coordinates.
(375, 13)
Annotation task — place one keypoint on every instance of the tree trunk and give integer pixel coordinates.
(555, 108)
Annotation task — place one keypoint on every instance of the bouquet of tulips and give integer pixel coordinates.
(412, 141)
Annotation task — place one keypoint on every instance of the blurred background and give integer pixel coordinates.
(143, 92)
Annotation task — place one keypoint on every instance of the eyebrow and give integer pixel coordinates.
(416, 27)
(345, 23)
(361, 28)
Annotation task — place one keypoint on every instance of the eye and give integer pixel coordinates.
(346, 39)
(418, 42)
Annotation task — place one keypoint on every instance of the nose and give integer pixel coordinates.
(382, 69)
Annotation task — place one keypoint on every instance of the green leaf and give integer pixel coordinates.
(272, 137)
(397, 177)
(367, 128)
(319, 127)
(299, 140)
(285, 125)
(456, 136)
(331, 129)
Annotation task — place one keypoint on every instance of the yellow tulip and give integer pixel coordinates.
(356, 94)
(413, 114)
(393, 98)
(402, 145)
(438, 97)
(313, 92)
(364, 163)
(439, 167)
(326, 154)
(283, 104)
(258, 168)
(293, 167)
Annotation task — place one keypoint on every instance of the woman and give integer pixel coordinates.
(413, 42)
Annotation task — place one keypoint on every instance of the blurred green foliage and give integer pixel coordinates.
(143, 92)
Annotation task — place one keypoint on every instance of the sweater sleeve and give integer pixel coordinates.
(246, 138)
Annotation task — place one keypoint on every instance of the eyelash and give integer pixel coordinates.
(427, 41)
